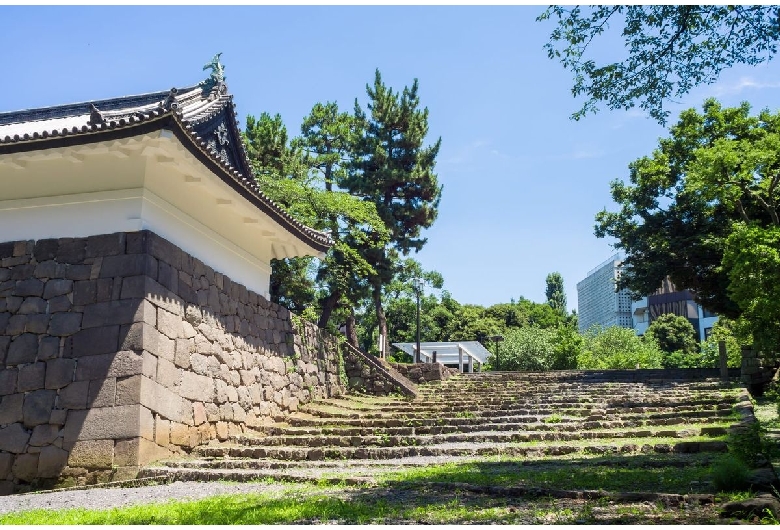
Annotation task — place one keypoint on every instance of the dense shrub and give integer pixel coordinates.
(615, 347)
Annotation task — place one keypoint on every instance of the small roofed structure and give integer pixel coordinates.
(466, 356)
(171, 162)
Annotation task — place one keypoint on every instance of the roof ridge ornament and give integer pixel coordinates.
(169, 103)
(94, 115)
(217, 77)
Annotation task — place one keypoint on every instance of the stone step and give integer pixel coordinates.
(249, 475)
(327, 430)
(449, 417)
(633, 420)
(480, 436)
(452, 449)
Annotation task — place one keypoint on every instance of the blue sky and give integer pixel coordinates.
(522, 182)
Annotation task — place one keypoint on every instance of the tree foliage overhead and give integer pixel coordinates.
(679, 207)
(671, 49)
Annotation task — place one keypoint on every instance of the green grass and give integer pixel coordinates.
(632, 473)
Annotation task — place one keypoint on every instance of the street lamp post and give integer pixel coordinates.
(496, 339)
(418, 286)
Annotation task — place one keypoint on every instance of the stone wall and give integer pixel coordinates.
(423, 372)
(368, 374)
(757, 370)
(120, 349)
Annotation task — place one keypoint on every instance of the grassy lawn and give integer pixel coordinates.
(432, 495)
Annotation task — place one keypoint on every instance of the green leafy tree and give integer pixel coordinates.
(567, 347)
(395, 171)
(556, 296)
(676, 338)
(670, 49)
(680, 204)
(278, 171)
(528, 348)
(723, 330)
(615, 347)
(673, 333)
(753, 259)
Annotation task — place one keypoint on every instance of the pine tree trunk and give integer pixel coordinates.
(380, 314)
(327, 308)
(352, 337)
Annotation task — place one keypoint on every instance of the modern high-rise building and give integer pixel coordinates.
(667, 299)
(598, 300)
(599, 303)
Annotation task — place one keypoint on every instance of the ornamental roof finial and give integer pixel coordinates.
(217, 76)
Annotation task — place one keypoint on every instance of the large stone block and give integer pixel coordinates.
(31, 377)
(92, 454)
(44, 435)
(106, 245)
(126, 452)
(163, 401)
(146, 424)
(59, 372)
(38, 406)
(196, 387)
(57, 287)
(169, 324)
(11, 409)
(28, 323)
(45, 249)
(71, 250)
(95, 341)
(119, 364)
(73, 396)
(13, 438)
(162, 432)
(60, 304)
(128, 390)
(73, 272)
(124, 311)
(84, 292)
(32, 305)
(51, 461)
(102, 423)
(6, 459)
(4, 343)
(25, 467)
(64, 324)
(48, 348)
(128, 265)
(164, 250)
(102, 393)
(45, 269)
(23, 349)
(168, 375)
(134, 286)
(29, 287)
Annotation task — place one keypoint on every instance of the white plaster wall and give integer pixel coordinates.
(88, 214)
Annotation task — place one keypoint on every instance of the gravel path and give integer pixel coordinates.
(96, 498)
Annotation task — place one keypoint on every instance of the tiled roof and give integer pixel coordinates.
(205, 123)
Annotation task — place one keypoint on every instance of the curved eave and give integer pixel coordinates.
(161, 119)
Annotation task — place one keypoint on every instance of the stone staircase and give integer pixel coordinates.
(492, 414)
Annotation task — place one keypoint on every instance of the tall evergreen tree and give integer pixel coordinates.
(556, 297)
(395, 171)
(327, 139)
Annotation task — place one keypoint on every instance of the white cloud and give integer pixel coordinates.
(744, 83)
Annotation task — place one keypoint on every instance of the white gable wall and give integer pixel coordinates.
(145, 183)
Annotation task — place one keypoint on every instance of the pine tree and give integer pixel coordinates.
(395, 171)
(556, 297)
